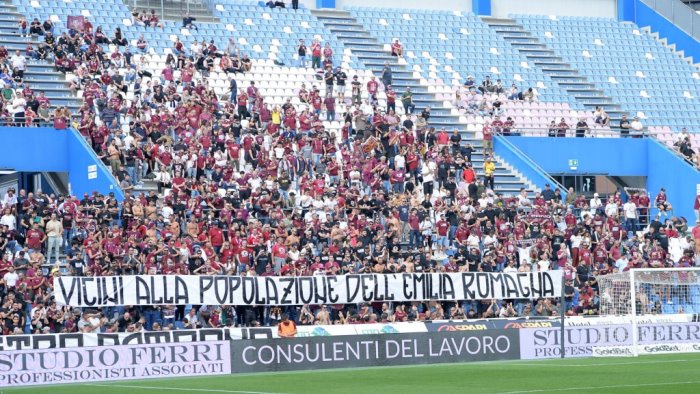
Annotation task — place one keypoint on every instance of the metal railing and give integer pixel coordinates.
(533, 164)
(679, 13)
(182, 6)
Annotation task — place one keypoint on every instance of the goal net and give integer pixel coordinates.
(660, 306)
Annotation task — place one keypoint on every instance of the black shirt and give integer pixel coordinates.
(340, 78)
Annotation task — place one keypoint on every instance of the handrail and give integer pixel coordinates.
(98, 162)
(677, 8)
(676, 153)
(531, 162)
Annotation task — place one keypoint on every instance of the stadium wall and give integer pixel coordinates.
(645, 16)
(617, 156)
(462, 5)
(46, 149)
(599, 8)
(522, 163)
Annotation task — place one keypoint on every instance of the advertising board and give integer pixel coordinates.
(580, 341)
(373, 350)
(98, 364)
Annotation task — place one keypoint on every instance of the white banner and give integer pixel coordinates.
(91, 339)
(299, 290)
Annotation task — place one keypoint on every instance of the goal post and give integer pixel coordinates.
(650, 296)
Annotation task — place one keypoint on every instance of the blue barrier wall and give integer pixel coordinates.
(522, 163)
(481, 7)
(625, 10)
(617, 157)
(51, 150)
(595, 155)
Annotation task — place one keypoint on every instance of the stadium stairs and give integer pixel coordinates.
(372, 54)
(174, 10)
(564, 74)
(40, 75)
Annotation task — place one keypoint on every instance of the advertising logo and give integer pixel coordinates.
(662, 349)
(528, 324)
(461, 327)
(320, 332)
(389, 329)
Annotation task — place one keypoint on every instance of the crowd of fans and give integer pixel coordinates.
(249, 189)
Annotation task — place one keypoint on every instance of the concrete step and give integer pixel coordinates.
(495, 21)
(331, 14)
(552, 65)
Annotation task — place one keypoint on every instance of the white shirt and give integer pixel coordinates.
(9, 221)
(128, 140)
(18, 104)
(426, 227)
(427, 171)
(196, 48)
(611, 209)
(19, 62)
(576, 241)
(400, 161)
(167, 212)
(11, 200)
(630, 210)
(254, 183)
(524, 201)
(11, 279)
(636, 125)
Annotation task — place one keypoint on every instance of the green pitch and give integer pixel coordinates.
(678, 373)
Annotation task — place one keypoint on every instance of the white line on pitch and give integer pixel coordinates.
(617, 386)
(181, 389)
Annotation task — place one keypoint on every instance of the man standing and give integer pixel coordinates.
(387, 76)
(301, 51)
(630, 211)
(340, 79)
(407, 101)
(356, 91)
(329, 104)
(316, 54)
(11, 277)
(637, 128)
(54, 233)
(390, 99)
(488, 138)
(489, 170)
(35, 238)
(624, 126)
(581, 128)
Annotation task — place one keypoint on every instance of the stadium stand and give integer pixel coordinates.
(228, 170)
